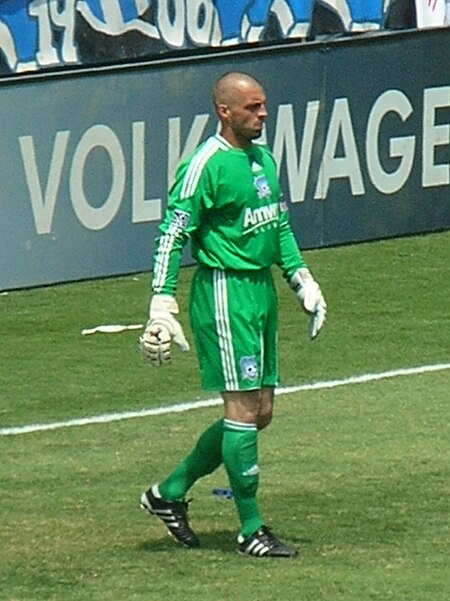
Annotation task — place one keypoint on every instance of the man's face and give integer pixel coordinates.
(244, 114)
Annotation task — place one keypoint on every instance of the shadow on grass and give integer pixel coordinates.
(222, 540)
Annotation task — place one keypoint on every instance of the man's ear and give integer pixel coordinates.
(222, 111)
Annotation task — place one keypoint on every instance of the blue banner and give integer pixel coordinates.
(53, 34)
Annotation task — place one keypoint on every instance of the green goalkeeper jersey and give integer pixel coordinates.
(227, 201)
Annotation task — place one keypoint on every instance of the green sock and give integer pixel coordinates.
(204, 458)
(240, 457)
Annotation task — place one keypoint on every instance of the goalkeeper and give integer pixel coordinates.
(226, 200)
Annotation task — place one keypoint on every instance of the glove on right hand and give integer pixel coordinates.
(161, 329)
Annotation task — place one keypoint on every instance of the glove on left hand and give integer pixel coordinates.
(161, 329)
(311, 299)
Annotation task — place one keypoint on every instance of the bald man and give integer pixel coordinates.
(226, 200)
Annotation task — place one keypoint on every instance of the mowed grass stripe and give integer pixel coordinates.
(188, 406)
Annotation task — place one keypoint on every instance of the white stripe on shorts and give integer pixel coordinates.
(224, 330)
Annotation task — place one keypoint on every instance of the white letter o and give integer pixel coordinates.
(97, 218)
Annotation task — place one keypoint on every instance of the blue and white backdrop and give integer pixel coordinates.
(49, 34)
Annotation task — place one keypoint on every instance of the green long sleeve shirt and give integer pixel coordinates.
(227, 202)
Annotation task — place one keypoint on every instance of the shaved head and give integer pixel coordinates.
(240, 104)
(229, 84)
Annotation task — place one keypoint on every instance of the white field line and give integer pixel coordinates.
(181, 407)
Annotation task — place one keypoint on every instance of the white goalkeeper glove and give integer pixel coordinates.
(311, 299)
(161, 329)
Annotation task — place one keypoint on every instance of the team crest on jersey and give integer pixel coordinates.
(249, 368)
(180, 218)
(262, 186)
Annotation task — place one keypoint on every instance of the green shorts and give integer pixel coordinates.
(234, 321)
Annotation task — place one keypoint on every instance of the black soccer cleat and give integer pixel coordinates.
(263, 544)
(174, 516)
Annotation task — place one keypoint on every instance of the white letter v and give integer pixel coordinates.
(43, 207)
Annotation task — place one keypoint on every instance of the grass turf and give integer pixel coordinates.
(355, 476)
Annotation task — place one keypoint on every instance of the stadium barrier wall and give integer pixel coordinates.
(360, 129)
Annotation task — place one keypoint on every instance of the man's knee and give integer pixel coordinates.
(253, 406)
(264, 420)
(265, 408)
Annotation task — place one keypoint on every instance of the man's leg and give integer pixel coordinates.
(240, 455)
(244, 413)
(204, 458)
(166, 500)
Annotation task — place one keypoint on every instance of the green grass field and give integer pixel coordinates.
(355, 476)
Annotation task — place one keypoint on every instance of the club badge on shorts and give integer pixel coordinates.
(249, 368)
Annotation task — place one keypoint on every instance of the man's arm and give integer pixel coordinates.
(181, 219)
(299, 278)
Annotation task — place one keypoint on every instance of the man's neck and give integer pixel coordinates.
(234, 141)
